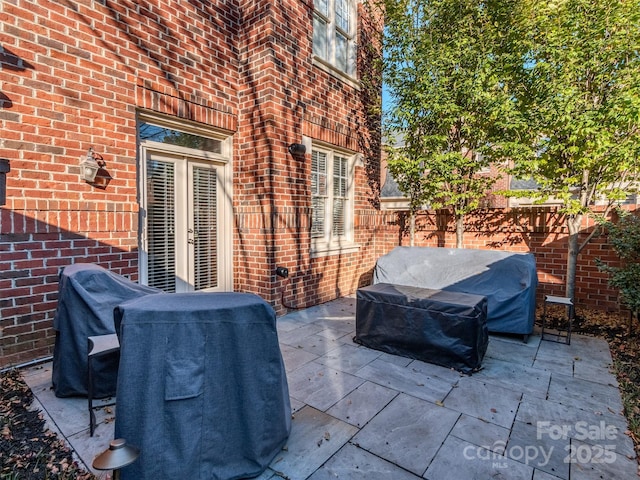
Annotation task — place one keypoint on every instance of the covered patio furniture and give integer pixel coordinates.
(87, 295)
(507, 279)
(202, 389)
(445, 328)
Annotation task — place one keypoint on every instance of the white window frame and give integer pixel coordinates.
(329, 243)
(327, 60)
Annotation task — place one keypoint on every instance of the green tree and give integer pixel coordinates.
(579, 94)
(408, 170)
(624, 236)
(444, 70)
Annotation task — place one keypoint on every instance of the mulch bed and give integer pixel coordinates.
(28, 451)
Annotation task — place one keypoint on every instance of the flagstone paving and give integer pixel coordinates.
(536, 411)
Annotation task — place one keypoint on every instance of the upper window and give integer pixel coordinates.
(148, 131)
(331, 199)
(334, 34)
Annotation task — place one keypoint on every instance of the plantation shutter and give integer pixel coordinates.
(161, 228)
(339, 195)
(318, 192)
(205, 227)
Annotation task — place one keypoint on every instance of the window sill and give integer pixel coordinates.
(319, 250)
(339, 74)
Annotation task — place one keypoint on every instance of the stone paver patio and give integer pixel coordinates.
(536, 411)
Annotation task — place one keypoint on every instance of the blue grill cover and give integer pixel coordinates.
(202, 389)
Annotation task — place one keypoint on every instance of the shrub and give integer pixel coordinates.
(624, 236)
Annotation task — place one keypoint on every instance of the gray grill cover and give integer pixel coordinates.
(202, 389)
(87, 295)
(445, 328)
(507, 279)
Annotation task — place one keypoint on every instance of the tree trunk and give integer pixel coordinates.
(459, 230)
(412, 228)
(573, 224)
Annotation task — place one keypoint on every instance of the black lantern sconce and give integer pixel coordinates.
(297, 149)
(118, 456)
(4, 169)
(90, 164)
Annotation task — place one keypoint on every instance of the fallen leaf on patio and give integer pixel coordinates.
(439, 403)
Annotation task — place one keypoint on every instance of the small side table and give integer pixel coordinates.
(560, 337)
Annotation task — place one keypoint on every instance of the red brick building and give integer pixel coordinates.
(191, 109)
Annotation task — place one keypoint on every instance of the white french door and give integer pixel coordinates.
(183, 229)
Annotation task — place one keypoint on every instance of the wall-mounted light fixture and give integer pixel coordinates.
(296, 149)
(4, 169)
(90, 164)
(282, 272)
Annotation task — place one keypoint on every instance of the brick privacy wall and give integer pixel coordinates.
(538, 230)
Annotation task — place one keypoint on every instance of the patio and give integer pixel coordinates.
(540, 410)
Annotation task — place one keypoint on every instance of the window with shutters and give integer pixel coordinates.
(334, 34)
(331, 200)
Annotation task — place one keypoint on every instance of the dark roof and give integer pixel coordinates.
(390, 188)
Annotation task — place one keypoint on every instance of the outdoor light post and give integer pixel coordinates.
(117, 456)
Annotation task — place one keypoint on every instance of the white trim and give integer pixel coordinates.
(327, 245)
(336, 72)
(335, 250)
(394, 203)
(185, 151)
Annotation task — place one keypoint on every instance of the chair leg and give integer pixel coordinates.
(92, 416)
(98, 346)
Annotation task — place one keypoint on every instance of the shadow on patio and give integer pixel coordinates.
(540, 410)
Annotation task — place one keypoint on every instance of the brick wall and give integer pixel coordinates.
(287, 97)
(73, 75)
(538, 230)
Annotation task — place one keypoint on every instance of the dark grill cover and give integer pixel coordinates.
(445, 328)
(87, 295)
(202, 389)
